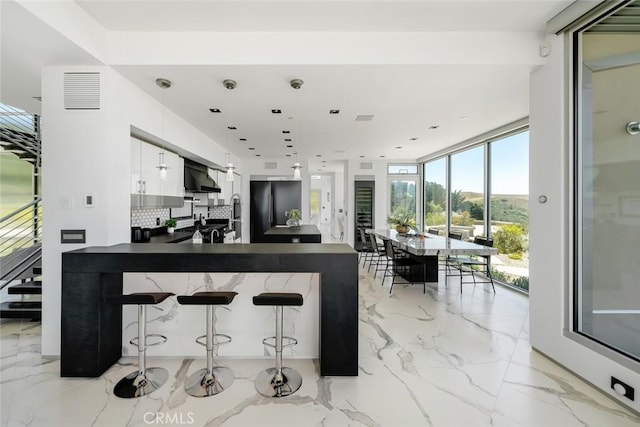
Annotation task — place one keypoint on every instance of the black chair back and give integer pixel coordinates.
(433, 231)
(454, 235)
(481, 240)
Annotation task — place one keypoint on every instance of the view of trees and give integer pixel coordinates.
(509, 209)
(403, 194)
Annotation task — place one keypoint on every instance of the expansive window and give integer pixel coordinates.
(607, 227)
(435, 195)
(509, 177)
(466, 199)
(485, 192)
(402, 188)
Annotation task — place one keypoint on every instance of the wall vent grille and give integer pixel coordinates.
(366, 165)
(82, 91)
(271, 165)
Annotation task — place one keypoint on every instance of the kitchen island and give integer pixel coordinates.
(300, 234)
(92, 329)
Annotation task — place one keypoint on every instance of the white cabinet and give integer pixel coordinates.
(145, 176)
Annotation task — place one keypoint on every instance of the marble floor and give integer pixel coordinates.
(440, 359)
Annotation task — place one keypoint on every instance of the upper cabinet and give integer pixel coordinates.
(146, 186)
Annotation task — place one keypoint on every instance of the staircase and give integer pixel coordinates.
(21, 230)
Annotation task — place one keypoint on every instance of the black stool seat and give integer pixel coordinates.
(278, 298)
(207, 298)
(140, 298)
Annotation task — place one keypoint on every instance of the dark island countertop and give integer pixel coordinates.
(300, 234)
(175, 237)
(293, 231)
(92, 328)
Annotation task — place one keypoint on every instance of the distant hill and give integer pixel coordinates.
(504, 207)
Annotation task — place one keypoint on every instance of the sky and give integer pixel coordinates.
(509, 167)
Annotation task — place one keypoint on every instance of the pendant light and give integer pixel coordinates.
(230, 85)
(162, 166)
(230, 168)
(296, 84)
(296, 169)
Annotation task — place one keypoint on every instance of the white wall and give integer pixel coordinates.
(550, 229)
(87, 152)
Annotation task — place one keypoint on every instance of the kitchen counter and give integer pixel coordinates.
(300, 234)
(92, 329)
(175, 237)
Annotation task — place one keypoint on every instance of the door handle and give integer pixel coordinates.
(270, 210)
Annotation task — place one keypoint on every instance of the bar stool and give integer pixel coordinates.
(212, 379)
(278, 381)
(145, 380)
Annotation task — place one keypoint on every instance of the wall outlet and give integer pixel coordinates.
(622, 389)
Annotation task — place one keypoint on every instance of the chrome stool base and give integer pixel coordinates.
(268, 385)
(136, 385)
(202, 383)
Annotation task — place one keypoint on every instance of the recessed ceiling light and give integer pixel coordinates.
(215, 110)
(276, 111)
(232, 127)
(318, 155)
(257, 155)
(334, 111)
(243, 139)
(398, 147)
(288, 155)
(364, 118)
(413, 139)
(287, 140)
(37, 98)
(289, 146)
(324, 161)
(434, 127)
(286, 131)
(382, 156)
(362, 157)
(251, 148)
(464, 117)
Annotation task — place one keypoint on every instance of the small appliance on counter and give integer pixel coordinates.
(140, 235)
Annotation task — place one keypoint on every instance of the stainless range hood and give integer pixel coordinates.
(197, 180)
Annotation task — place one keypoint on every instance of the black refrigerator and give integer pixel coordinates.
(269, 202)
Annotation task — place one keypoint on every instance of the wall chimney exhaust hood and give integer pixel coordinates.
(197, 180)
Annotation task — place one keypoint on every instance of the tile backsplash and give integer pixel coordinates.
(147, 217)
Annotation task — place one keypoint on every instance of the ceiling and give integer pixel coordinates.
(431, 73)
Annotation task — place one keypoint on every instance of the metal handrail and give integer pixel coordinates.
(13, 233)
(36, 201)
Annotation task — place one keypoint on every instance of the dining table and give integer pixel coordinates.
(426, 248)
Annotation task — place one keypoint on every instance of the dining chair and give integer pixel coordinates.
(367, 251)
(398, 262)
(450, 261)
(472, 264)
(379, 254)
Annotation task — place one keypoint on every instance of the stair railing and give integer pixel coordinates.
(21, 228)
(21, 129)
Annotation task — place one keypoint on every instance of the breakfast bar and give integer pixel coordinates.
(92, 329)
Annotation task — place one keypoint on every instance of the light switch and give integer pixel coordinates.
(89, 200)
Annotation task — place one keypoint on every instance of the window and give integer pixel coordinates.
(402, 169)
(485, 193)
(509, 177)
(466, 199)
(435, 195)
